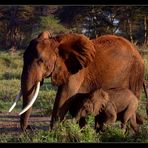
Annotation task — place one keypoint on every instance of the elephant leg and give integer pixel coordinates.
(124, 127)
(99, 127)
(61, 105)
(24, 119)
(136, 78)
(126, 117)
(130, 112)
(136, 82)
(99, 122)
(55, 107)
(82, 122)
(111, 115)
(65, 92)
(134, 124)
(111, 118)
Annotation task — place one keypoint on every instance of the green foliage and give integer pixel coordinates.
(94, 20)
(19, 24)
(49, 23)
(112, 134)
(69, 131)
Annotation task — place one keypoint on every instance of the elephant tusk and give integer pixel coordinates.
(32, 100)
(15, 101)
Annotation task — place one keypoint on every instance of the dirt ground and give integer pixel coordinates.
(9, 122)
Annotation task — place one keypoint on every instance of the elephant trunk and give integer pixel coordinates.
(28, 85)
(32, 100)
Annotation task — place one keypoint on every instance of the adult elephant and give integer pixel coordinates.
(78, 65)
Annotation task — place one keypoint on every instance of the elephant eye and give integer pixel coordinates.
(40, 60)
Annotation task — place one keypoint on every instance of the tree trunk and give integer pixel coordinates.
(145, 30)
(130, 30)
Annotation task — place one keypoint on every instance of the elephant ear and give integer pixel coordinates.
(99, 101)
(76, 50)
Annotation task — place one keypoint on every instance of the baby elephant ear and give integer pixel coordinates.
(77, 51)
(104, 94)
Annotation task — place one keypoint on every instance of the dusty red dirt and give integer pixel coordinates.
(9, 122)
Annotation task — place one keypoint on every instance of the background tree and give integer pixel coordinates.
(19, 24)
(16, 22)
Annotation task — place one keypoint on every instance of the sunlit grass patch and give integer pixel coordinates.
(9, 89)
(112, 134)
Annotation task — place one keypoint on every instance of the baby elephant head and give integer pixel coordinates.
(94, 103)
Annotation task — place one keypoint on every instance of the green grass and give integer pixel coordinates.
(66, 131)
(10, 73)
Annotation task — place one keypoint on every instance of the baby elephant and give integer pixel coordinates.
(107, 107)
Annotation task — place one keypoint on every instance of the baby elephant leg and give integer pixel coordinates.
(111, 115)
(97, 125)
(134, 124)
(99, 122)
(82, 122)
(128, 115)
(124, 127)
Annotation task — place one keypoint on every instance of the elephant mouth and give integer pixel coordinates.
(29, 105)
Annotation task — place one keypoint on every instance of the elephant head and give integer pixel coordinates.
(56, 57)
(93, 103)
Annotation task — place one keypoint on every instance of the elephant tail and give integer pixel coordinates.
(145, 91)
(139, 118)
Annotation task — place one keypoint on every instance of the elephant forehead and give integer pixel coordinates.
(43, 44)
(46, 45)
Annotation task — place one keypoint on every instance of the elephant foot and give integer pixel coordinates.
(29, 128)
(139, 119)
(100, 130)
(51, 125)
(24, 129)
(82, 122)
